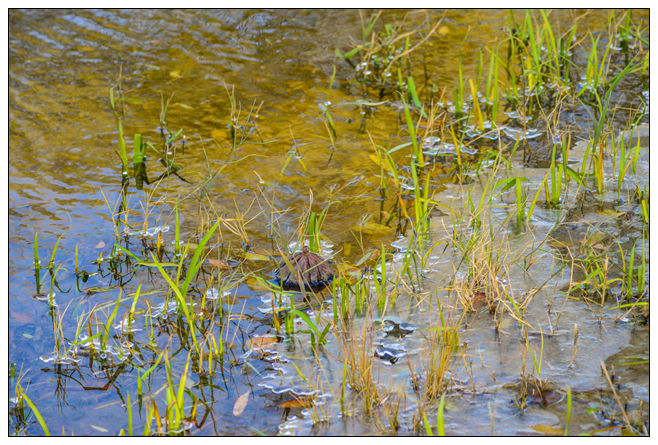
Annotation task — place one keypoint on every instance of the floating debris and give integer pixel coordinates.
(389, 354)
(433, 146)
(213, 294)
(161, 311)
(45, 297)
(397, 329)
(64, 360)
(148, 233)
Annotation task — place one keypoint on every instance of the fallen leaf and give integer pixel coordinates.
(100, 245)
(547, 430)
(611, 213)
(607, 428)
(255, 257)
(383, 163)
(259, 342)
(365, 258)
(370, 258)
(301, 402)
(478, 299)
(221, 264)
(596, 238)
(371, 228)
(347, 249)
(546, 397)
(97, 289)
(241, 404)
(349, 270)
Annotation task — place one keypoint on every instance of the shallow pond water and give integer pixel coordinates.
(271, 72)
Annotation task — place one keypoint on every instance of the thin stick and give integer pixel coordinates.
(621, 407)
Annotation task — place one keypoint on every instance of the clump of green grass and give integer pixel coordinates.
(359, 367)
(240, 126)
(382, 53)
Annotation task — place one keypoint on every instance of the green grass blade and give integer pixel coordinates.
(122, 149)
(308, 321)
(108, 323)
(181, 385)
(130, 414)
(181, 300)
(138, 151)
(333, 77)
(37, 264)
(414, 94)
(412, 134)
(439, 417)
(52, 256)
(177, 234)
(428, 427)
(129, 253)
(37, 414)
(566, 423)
(195, 264)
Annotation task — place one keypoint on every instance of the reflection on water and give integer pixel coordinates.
(65, 180)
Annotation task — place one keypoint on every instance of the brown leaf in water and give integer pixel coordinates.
(366, 257)
(220, 264)
(349, 271)
(372, 228)
(241, 404)
(225, 265)
(479, 299)
(546, 396)
(255, 257)
(258, 343)
(300, 402)
(100, 245)
(347, 249)
(547, 430)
